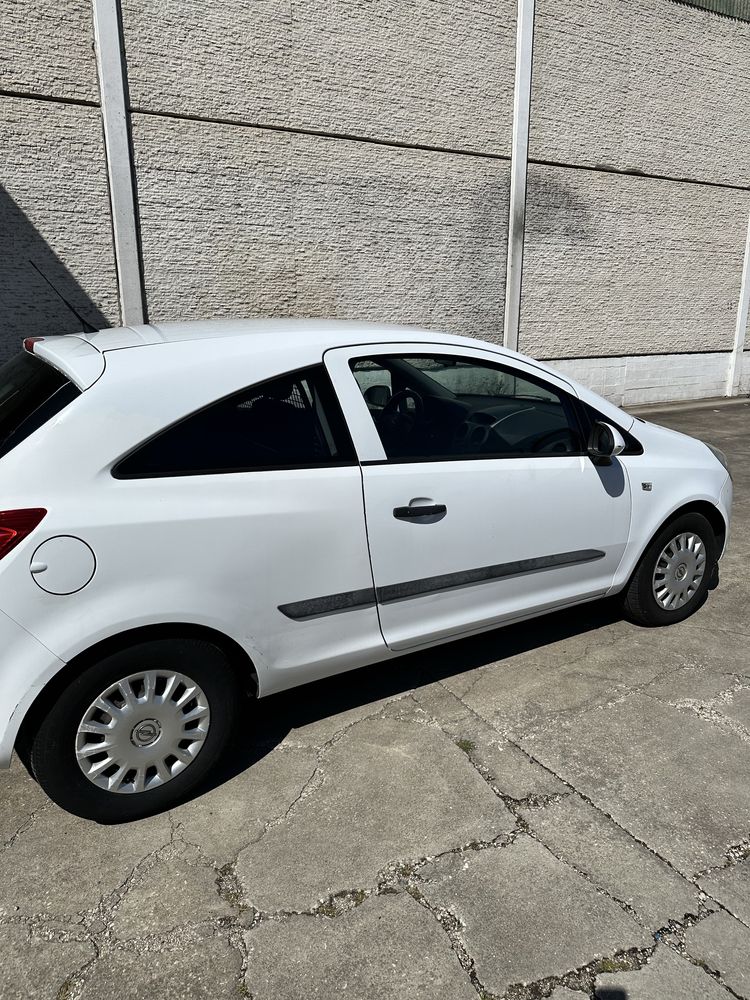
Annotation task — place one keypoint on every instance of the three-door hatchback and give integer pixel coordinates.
(196, 510)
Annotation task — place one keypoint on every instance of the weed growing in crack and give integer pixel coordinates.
(468, 746)
(229, 888)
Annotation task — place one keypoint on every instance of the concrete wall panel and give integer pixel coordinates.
(47, 49)
(622, 265)
(240, 221)
(55, 232)
(651, 379)
(649, 86)
(427, 72)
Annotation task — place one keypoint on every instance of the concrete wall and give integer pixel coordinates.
(57, 268)
(352, 159)
(618, 264)
(429, 72)
(241, 221)
(636, 213)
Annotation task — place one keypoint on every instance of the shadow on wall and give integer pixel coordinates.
(611, 993)
(38, 295)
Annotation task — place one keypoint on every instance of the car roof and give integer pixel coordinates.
(328, 333)
(81, 356)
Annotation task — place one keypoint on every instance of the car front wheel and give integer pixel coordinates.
(674, 574)
(136, 731)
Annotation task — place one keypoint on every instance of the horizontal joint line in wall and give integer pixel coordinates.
(50, 99)
(635, 354)
(637, 173)
(292, 130)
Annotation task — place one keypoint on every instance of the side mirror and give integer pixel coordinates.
(377, 395)
(605, 441)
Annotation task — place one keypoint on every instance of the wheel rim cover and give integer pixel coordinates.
(142, 731)
(679, 571)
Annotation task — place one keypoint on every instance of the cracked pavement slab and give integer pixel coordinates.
(730, 887)
(629, 760)
(389, 948)
(666, 977)
(556, 809)
(723, 945)
(524, 915)
(626, 870)
(389, 791)
(33, 966)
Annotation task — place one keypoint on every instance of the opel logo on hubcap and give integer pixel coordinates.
(146, 733)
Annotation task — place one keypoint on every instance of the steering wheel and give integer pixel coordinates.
(393, 417)
(547, 442)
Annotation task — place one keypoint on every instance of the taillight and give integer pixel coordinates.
(15, 525)
(28, 344)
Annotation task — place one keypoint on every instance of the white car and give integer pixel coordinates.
(196, 510)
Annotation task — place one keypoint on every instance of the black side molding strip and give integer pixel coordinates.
(354, 599)
(433, 584)
(348, 601)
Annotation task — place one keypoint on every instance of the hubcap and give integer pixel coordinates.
(142, 731)
(679, 571)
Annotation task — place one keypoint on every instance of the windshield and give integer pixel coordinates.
(31, 392)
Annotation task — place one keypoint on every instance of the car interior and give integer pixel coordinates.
(441, 408)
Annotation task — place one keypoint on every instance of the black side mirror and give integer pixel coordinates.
(604, 442)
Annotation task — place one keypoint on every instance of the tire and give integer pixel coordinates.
(144, 729)
(640, 602)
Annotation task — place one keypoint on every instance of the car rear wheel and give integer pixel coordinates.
(674, 574)
(132, 734)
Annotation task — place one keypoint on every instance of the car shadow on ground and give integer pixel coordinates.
(268, 721)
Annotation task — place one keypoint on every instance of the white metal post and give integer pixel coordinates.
(743, 307)
(109, 57)
(518, 171)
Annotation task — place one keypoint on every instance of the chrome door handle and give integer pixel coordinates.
(429, 510)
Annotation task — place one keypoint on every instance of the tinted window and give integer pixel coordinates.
(289, 421)
(451, 408)
(31, 393)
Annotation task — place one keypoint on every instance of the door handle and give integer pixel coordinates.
(429, 510)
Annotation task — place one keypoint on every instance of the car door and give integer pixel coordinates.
(481, 503)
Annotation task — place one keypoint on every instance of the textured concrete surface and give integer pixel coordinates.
(428, 72)
(647, 86)
(665, 977)
(617, 264)
(48, 49)
(56, 258)
(723, 944)
(239, 221)
(557, 810)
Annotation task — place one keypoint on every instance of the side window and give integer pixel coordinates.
(292, 421)
(440, 408)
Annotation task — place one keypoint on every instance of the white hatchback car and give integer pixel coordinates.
(196, 509)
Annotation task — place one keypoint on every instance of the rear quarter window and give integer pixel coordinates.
(31, 393)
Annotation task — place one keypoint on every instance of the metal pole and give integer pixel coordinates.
(743, 307)
(109, 58)
(518, 171)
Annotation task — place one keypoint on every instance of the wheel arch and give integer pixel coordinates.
(711, 513)
(709, 510)
(240, 663)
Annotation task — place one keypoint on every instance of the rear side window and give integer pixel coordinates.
(31, 393)
(288, 422)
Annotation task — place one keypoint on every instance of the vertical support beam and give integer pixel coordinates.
(110, 65)
(743, 307)
(518, 171)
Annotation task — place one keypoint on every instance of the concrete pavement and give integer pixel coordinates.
(557, 809)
